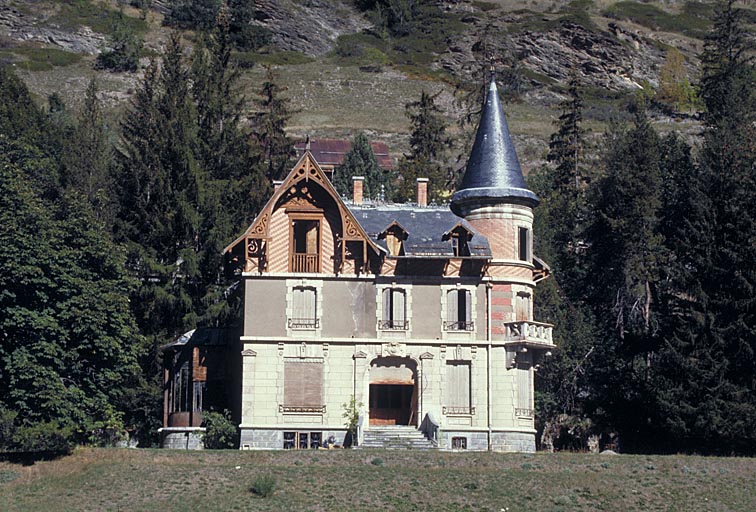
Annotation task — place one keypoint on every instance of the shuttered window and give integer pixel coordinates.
(304, 303)
(394, 309)
(458, 310)
(303, 383)
(524, 390)
(458, 398)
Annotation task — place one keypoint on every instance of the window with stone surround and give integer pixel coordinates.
(458, 396)
(524, 381)
(458, 310)
(523, 244)
(304, 308)
(303, 385)
(394, 310)
(459, 443)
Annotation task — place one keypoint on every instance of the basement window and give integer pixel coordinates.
(302, 440)
(459, 443)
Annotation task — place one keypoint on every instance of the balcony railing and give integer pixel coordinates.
(393, 325)
(304, 323)
(459, 326)
(305, 262)
(532, 333)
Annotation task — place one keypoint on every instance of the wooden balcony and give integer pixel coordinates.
(305, 262)
(530, 334)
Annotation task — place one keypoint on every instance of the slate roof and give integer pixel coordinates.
(203, 336)
(493, 170)
(331, 152)
(425, 227)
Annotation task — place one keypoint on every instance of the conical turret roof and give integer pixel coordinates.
(493, 173)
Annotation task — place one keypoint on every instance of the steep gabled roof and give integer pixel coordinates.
(307, 168)
(493, 171)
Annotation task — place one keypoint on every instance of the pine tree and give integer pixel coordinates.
(276, 150)
(704, 386)
(88, 156)
(361, 161)
(429, 145)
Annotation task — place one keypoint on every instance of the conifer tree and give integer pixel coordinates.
(276, 149)
(89, 154)
(429, 145)
(361, 161)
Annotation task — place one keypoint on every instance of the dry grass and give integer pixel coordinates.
(98, 479)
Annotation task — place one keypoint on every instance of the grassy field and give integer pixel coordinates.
(121, 479)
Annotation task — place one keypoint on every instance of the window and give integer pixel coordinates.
(304, 308)
(458, 311)
(180, 389)
(524, 407)
(199, 392)
(523, 244)
(522, 307)
(459, 443)
(458, 389)
(303, 386)
(459, 240)
(394, 315)
(302, 440)
(305, 245)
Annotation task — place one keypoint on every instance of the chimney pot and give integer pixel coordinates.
(357, 184)
(422, 192)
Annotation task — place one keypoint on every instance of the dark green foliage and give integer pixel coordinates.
(244, 35)
(221, 432)
(693, 20)
(361, 161)
(124, 47)
(193, 14)
(268, 122)
(429, 145)
(88, 155)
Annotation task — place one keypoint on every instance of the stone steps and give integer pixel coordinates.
(395, 438)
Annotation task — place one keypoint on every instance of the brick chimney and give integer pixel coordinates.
(357, 182)
(422, 191)
(276, 185)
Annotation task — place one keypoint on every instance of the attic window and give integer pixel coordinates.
(459, 237)
(395, 236)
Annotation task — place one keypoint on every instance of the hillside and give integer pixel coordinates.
(343, 76)
(113, 479)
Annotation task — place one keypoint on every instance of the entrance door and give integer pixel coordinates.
(391, 404)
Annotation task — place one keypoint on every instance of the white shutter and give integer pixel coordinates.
(468, 306)
(398, 306)
(386, 304)
(524, 387)
(452, 301)
(458, 384)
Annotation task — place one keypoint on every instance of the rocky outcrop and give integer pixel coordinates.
(616, 61)
(308, 26)
(21, 27)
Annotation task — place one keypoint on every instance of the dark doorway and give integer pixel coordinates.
(391, 404)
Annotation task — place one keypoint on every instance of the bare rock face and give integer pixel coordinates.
(17, 26)
(309, 26)
(614, 61)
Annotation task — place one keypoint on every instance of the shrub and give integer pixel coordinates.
(220, 431)
(124, 48)
(264, 485)
(377, 461)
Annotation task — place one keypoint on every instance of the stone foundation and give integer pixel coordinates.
(182, 438)
(478, 441)
(273, 439)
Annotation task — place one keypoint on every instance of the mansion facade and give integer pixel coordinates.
(421, 314)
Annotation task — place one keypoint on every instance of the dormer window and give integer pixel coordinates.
(395, 235)
(459, 237)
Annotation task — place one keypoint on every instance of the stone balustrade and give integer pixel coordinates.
(530, 332)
